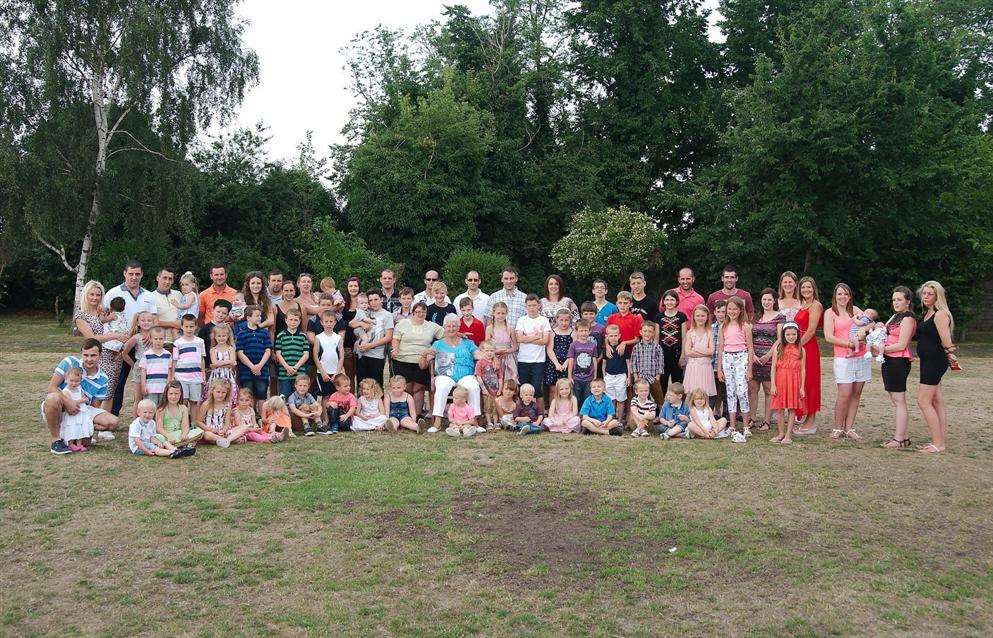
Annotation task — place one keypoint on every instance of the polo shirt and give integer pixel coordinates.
(156, 367)
(291, 345)
(188, 355)
(598, 410)
(428, 299)
(629, 324)
(672, 412)
(143, 301)
(722, 294)
(479, 303)
(94, 386)
(688, 301)
(254, 344)
(207, 298)
(164, 309)
(515, 304)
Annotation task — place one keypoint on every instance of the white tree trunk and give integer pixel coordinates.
(100, 108)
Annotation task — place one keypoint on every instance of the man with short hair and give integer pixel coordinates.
(509, 295)
(370, 364)
(641, 302)
(689, 298)
(218, 289)
(426, 295)
(167, 312)
(729, 281)
(94, 389)
(479, 298)
(275, 287)
(391, 296)
(136, 300)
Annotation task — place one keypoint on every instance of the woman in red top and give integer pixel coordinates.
(896, 362)
(809, 319)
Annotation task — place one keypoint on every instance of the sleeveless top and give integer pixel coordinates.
(842, 327)
(172, 422)
(280, 324)
(734, 338)
(214, 419)
(893, 334)
(929, 341)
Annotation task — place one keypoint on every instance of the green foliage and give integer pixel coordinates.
(608, 242)
(333, 253)
(489, 266)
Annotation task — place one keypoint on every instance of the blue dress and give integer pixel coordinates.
(560, 345)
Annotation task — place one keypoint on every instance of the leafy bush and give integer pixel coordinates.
(608, 242)
(333, 253)
(489, 266)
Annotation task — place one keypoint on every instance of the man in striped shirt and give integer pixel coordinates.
(95, 391)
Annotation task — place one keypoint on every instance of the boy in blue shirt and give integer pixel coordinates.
(254, 350)
(597, 414)
(674, 417)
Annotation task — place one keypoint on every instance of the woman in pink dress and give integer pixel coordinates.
(809, 319)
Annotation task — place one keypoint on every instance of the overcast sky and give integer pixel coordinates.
(302, 81)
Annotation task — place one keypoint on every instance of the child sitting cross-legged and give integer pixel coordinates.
(702, 424)
(302, 403)
(674, 417)
(506, 403)
(276, 419)
(527, 414)
(369, 413)
(143, 440)
(641, 416)
(172, 419)
(461, 419)
(597, 414)
(563, 412)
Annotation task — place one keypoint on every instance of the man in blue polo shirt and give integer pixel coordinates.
(93, 386)
(136, 299)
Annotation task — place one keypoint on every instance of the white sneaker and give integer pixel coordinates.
(104, 435)
(451, 432)
(644, 433)
(470, 431)
(432, 430)
(723, 434)
(636, 434)
(223, 443)
(738, 437)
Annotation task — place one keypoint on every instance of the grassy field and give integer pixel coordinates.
(363, 534)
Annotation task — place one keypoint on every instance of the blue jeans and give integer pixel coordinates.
(258, 385)
(581, 389)
(529, 428)
(286, 387)
(334, 419)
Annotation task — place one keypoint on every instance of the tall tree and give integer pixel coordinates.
(173, 65)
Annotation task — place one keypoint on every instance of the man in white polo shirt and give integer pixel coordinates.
(479, 298)
(136, 299)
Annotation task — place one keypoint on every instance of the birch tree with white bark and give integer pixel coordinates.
(152, 71)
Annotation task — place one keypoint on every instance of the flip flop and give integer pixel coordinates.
(931, 448)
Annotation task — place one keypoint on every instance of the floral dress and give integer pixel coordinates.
(560, 345)
(110, 363)
(215, 420)
(763, 337)
(507, 363)
(222, 373)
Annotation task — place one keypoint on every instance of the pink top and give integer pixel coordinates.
(688, 301)
(893, 335)
(842, 328)
(563, 408)
(462, 414)
(734, 338)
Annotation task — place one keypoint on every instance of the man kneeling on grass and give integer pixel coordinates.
(94, 386)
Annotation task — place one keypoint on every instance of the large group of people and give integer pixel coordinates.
(281, 358)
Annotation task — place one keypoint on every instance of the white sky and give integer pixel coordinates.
(302, 81)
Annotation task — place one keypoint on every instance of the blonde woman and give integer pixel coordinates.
(89, 324)
(935, 350)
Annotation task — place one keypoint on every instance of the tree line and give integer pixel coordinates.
(847, 139)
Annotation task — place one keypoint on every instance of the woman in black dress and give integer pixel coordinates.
(935, 350)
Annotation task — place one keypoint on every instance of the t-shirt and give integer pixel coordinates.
(602, 314)
(616, 363)
(382, 321)
(672, 412)
(532, 352)
(143, 430)
(291, 345)
(254, 344)
(327, 348)
(598, 334)
(647, 307)
(454, 361)
(597, 409)
(584, 360)
(478, 304)
(165, 310)
(94, 386)
(205, 332)
(461, 414)
(209, 295)
(629, 324)
(133, 303)
(476, 332)
(645, 406)
(723, 294)
(156, 367)
(299, 401)
(343, 402)
(671, 330)
(436, 314)
(490, 377)
(415, 339)
(530, 411)
(188, 353)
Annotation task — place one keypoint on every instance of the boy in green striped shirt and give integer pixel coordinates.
(292, 352)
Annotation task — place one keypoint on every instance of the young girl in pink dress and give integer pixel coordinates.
(563, 413)
(504, 340)
(698, 348)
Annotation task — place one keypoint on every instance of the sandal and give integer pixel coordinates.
(931, 448)
(777, 439)
(894, 444)
(854, 436)
(764, 426)
(805, 431)
(835, 434)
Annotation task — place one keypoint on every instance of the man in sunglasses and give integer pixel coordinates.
(426, 295)
(478, 297)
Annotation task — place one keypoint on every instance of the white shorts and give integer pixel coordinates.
(617, 386)
(852, 369)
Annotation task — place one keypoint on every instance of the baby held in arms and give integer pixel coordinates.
(866, 327)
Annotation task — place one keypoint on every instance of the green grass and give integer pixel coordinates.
(550, 535)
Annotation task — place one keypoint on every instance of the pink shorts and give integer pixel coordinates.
(257, 437)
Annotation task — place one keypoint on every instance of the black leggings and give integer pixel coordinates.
(670, 367)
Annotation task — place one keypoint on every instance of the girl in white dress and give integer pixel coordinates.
(75, 428)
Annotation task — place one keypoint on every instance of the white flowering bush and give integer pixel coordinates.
(607, 243)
